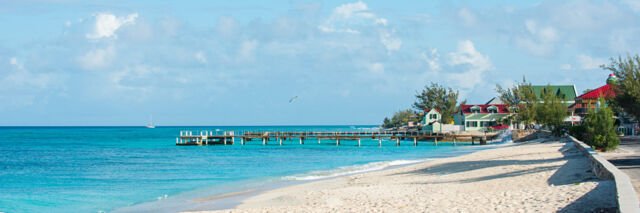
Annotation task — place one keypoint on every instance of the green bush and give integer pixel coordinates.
(600, 129)
(578, 132)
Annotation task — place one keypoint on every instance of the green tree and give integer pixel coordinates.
(627, 87)
(400, 118)
(521, 100)
(600, 128)
(550, 111)
(436, 96)
(387, 123)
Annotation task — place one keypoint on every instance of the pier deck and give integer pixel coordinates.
(230, 137)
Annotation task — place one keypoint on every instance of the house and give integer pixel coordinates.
(589, 100)
(431, 121)
(480, 117)
(430, 116)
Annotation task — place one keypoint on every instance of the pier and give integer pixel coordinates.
(204, 137)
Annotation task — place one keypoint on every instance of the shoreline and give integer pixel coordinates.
(233, 199)
(311, 196)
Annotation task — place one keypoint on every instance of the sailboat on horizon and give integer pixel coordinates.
(150, 125)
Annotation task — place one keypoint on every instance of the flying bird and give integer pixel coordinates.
(293, 99)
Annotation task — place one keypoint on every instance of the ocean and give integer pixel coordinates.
(135, 169)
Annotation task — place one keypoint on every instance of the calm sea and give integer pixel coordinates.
(93, 169)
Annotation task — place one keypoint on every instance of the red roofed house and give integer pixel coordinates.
(480, 117)
(589, 100)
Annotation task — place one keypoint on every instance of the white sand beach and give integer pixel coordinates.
(535, 176)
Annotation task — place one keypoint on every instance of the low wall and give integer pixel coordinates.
(627, 198)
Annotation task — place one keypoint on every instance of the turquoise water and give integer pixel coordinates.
(92, 169)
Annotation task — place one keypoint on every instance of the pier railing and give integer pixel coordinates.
(212, 137)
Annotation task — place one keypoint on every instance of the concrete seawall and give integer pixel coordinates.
(625, 194)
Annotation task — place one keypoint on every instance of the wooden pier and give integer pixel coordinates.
(266, 138)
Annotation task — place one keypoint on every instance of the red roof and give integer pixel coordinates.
(429, 110)
(502, 108)
(605, 90)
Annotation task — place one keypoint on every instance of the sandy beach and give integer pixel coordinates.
(534, 176)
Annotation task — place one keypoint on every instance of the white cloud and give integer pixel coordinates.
(226, 26)
(565, 67)
(587, 62)
(19, 86)
(247, 50)
(107, 24)
(97, 58)
(200, 57)
(15, 63)
(432, 58)
(333, 30)
(633, 4)
(348, 14)
(477, 65)
(390, 42)
(381, 21)
(358, 9)
(467, 16)
(351, 18)
(376, 68)
(537, 40)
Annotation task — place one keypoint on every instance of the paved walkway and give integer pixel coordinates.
(627, 159)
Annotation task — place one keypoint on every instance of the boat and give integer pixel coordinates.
(150, 125)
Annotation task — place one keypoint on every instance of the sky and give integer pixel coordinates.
(77, 63)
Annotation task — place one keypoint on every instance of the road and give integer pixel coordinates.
(627, 159)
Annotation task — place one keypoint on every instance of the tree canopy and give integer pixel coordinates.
(551, 111)
(436, 96)
(399, 118)
(521, 100)
(627, 88)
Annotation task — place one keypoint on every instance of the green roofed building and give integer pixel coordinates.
(567, 93)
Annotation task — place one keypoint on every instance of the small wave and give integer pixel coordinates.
(348, 170)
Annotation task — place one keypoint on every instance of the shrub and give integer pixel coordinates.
(600, 129)
(578, 132)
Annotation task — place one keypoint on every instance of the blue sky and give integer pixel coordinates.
(67, 62)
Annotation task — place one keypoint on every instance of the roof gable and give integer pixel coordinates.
(429, 110)
(606, 91)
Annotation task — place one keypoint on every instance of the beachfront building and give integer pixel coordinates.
(589, 100)
(432, 121)
(566, 93)
(430, 116)
(480, 117)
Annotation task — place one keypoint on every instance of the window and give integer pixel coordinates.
(433, 116)
(475, 109)
(472, 124)
(487, 123)
(492, 109)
